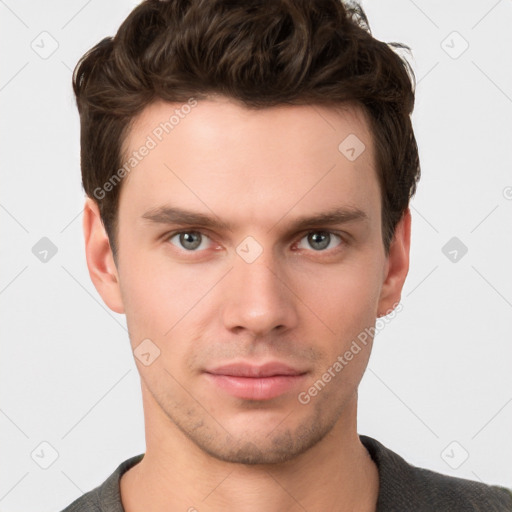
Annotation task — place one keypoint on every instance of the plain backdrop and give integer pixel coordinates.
(438, 387)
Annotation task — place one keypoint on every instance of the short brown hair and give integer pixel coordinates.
(259, 52)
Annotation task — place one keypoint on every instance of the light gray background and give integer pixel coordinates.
(438, 387)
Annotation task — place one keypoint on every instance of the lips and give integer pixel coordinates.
(249, 370)
(256, 382)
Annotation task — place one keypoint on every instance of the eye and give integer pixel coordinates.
(321, 240)
(191, 241)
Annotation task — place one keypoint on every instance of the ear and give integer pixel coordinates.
(100, 260)
(397, 266)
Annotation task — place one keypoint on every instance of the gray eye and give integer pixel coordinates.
(189, 240)
(320, 240)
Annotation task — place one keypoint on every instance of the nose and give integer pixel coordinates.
(259, 297)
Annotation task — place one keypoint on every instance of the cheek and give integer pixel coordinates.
(346, 302)
(165, 302)
(345, 298)
(149, 291)
(152, 285)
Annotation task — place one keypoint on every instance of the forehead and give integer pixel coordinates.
(216, 155)
(222, 117)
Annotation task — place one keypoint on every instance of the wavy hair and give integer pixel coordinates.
(259, 52)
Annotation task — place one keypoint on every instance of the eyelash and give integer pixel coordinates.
(342, 239)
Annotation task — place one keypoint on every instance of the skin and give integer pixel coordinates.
(296, 303)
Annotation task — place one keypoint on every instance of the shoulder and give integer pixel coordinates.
(107, 496)
(460, 494)
(85, 503)
(406, 487)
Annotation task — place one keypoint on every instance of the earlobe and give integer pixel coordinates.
(397, 266)
(100, 261)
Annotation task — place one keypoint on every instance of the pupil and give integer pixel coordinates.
(319, 240)
(187, 240)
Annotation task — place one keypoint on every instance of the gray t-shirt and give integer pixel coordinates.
(402, 488)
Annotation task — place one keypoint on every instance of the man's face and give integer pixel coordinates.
(252, 286)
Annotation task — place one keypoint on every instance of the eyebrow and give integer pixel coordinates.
(180, 216)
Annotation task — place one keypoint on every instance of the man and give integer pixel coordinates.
(249, 166)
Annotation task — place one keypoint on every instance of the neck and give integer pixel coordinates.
(335, 474)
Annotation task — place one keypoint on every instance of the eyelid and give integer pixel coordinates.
(167, 237)
(296, 238)
(340, 235)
